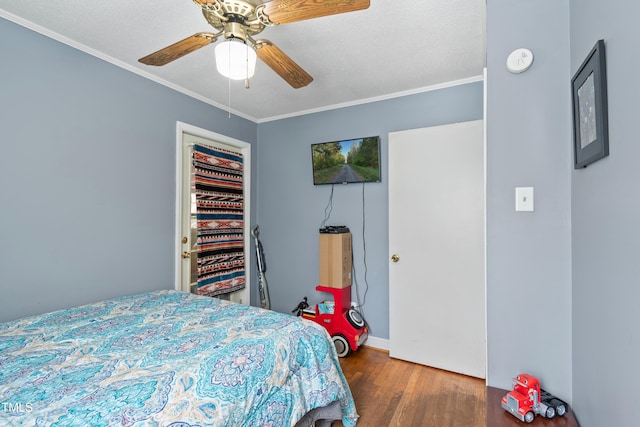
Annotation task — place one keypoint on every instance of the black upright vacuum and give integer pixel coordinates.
(263, 287)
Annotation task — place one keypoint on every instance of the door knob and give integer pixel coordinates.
(395, 258)
(186, 254)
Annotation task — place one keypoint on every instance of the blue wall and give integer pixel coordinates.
(87, 175)
(291, 208)
(529, 145)
(606, 235)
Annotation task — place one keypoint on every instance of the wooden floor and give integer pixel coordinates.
(391, 392)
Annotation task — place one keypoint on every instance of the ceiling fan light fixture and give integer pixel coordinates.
(235, 59)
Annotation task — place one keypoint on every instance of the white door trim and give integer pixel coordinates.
(486, 234)
(245, 148)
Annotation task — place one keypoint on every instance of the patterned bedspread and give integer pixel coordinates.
(167, 358)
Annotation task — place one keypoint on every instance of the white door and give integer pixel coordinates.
(186, 225)
(437, 247)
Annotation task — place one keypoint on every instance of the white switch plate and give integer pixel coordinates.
(524, 199)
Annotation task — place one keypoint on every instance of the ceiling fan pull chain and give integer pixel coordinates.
(229, 82)
(246, 80)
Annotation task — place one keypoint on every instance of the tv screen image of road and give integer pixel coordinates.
(346, 161)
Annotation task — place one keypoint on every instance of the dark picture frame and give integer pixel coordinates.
(590, 111)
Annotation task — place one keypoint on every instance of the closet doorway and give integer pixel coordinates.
(437, 247)
(189, 275)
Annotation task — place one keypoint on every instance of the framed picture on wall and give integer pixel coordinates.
(590, 113)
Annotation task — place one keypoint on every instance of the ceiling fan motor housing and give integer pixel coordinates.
(235, 30)
(236, 18)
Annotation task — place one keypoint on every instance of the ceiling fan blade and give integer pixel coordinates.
(179, 49)
(286, 11)
(279, 62)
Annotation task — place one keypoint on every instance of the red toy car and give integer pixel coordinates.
(344, 323)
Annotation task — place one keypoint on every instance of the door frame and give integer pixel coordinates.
(245, 149)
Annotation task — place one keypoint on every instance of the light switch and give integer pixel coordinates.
(524, 199)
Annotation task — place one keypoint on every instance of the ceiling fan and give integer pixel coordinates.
(242, 19)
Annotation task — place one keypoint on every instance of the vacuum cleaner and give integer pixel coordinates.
(263, 287)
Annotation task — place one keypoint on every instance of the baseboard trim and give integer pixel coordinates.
(378, 343)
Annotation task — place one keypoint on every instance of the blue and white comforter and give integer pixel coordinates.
(167, 358)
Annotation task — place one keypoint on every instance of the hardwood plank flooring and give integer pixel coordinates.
(392, 392)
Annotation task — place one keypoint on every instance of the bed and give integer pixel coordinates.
(170, 358)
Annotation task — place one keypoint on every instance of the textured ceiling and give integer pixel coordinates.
(393, 47)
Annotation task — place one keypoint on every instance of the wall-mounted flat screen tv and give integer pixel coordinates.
(347, 161)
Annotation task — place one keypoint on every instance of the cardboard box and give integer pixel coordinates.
(335, 260)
